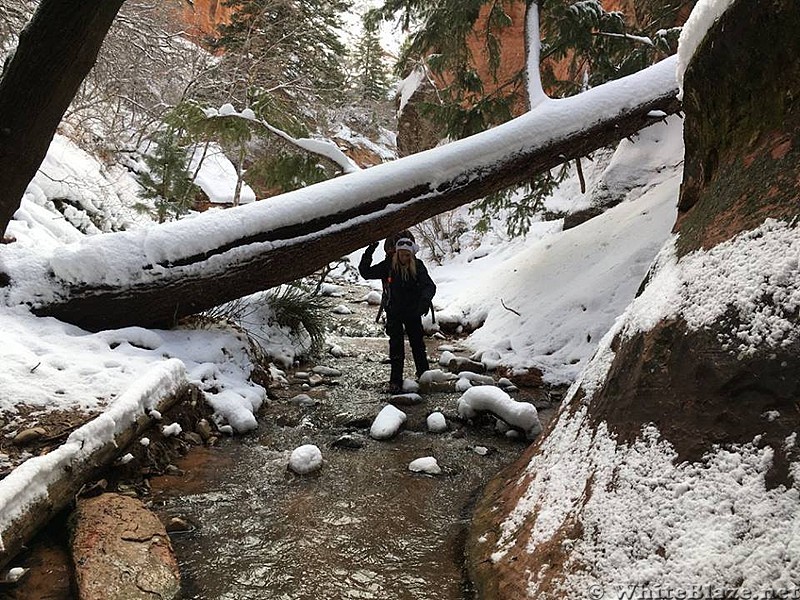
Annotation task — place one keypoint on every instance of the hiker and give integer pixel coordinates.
(409, 292)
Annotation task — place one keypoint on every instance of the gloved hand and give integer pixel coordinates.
(372, 247)
(423, 307)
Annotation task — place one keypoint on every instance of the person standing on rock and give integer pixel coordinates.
(409, 292)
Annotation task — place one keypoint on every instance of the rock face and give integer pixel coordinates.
(673, 464)
(202, 17)
(121, 551)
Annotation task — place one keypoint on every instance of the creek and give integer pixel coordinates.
(364, 526)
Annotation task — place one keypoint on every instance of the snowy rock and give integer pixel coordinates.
(327, 371)
(436, 423)
(337, 351)
(203, 428)
(373, 298)
(329, 289)
(427, 464)
(476, 378)
(462, 363)
(305, 459)
(409, 399)
(341, 309)
(387, 423)
(171, 429)
(463, 384)
(494, 400)
(409, 385)
(446, 357)
(303, 400)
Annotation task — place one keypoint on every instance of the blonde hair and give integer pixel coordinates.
(408, 271)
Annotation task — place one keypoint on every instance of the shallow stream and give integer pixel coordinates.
(364, 526)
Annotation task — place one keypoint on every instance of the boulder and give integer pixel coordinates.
(121, 551)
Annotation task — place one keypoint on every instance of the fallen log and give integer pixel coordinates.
(44, 485)
(154, 278)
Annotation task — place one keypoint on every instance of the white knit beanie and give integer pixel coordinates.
(406, 244)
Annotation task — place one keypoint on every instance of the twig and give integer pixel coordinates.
(509, 309)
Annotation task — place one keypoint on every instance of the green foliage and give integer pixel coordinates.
(519, 205)
(593, 44)
(289, 48)
(167, 181)
(298, 310)
(372, 78)
(285, 170)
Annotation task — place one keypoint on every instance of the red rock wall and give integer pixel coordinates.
(203, 16)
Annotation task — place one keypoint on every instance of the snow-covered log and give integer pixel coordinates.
(154, 277)
(44, 485)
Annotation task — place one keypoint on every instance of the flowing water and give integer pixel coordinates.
(364, 526)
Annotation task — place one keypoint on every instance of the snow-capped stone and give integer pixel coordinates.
(303, 400)
(463, 384)
(305, 459)
(446, 357)
(496, 401)
(373, 298)
(476, 378)
(436, 422)
(337, 351)
(171, 429)
(331, 289)
(426, 464)
(409, 385)
(387, 423)
(327, 371)
(341, 309)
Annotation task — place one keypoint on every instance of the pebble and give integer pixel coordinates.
(28, 436)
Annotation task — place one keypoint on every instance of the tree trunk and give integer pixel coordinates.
(196, 283)
(56, 50)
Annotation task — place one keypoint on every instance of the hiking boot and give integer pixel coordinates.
(395, 388)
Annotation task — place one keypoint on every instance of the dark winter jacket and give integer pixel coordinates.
(402, 298)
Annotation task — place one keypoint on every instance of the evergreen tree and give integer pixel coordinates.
(167, 181)
(372, 78)
(285, 48)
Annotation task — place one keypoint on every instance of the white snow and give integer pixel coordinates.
(217, 176)
(387, 423)
(305, 459)
(494, 400)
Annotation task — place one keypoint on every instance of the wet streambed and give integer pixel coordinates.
(362, 527)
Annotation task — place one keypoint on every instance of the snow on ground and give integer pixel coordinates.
(568, 287)
(686, 526)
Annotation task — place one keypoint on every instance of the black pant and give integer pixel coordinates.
(395, 324)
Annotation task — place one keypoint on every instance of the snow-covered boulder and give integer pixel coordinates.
(305, 459)
(427, 464)
(494, 400)
(387, 423)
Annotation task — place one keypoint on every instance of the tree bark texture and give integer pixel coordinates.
(302, 248)
(56, 51)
